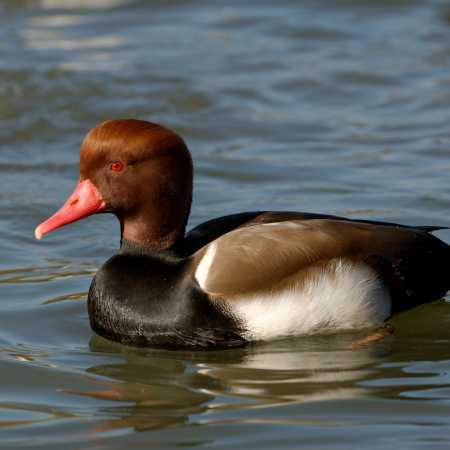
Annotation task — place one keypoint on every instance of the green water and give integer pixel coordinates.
(338, 107)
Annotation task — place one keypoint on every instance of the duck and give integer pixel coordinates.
(241, 278)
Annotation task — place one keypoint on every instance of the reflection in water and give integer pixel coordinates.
(62, 298)
(22, 275)
(56, 20)
(51, 40)
(76, 4)
(173, 388)
(28, 414)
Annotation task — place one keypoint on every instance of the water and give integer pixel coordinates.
(340, 107)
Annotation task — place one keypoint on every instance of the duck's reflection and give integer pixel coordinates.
(157, 388)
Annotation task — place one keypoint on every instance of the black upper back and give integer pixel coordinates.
(207, 231)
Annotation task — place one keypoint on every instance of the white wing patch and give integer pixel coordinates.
(201, 274)
(344, 296)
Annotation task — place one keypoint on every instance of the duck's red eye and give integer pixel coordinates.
(117, 166)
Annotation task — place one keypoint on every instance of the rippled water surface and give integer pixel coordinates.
(340, 107)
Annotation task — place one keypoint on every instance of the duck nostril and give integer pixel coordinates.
(74, 202)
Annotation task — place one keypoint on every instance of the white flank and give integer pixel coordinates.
(201, 274)
(343, 296)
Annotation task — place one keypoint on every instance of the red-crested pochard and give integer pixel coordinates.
(239, 278)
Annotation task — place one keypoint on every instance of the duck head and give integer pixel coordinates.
(137, 170)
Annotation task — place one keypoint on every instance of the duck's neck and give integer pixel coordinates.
(141, 236)
(159, 231)
(170, 255)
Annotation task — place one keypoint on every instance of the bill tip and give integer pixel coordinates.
(38, 233)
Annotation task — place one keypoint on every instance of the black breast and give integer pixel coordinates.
(153, 300)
